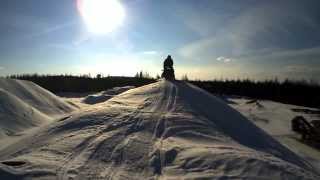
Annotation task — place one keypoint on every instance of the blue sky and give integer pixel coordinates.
(208, 39)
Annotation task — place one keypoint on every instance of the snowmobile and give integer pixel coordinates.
(168, 74)
(168, 71)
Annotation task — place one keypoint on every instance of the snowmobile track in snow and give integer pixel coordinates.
(159, 107)
(165, 130)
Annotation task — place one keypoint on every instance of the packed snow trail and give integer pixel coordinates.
(165, 130)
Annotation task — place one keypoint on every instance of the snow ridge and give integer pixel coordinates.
(24, 105)
(165, 130)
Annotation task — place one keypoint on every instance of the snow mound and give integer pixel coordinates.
(36, 96)
(24, 105)
(16, 115)
(275, 118)
(105, 95)
(165, 130)
(96, 98)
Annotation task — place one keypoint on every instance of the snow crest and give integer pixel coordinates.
(165, 130)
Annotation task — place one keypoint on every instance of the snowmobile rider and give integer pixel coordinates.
(168, 62)
(168, 71)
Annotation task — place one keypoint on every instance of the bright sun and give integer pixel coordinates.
(101, 16)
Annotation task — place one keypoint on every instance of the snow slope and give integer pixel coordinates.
(35, 96)
(105, 95)
(165, 130)
(275, 118)
(24, 105)
(16, 115)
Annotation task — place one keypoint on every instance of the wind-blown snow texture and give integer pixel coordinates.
(24, 105)
(275, 118)
(165, 130)
(35, 96)
(105, 95)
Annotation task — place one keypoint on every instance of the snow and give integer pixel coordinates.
(275, 118)
(165, 130)
(24, 105)
(16, 115)
(35, 96)
(105, 95)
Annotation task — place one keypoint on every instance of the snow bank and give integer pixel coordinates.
(35, 96)
(16, 115)
(24, 104)
(275, 118)
(105, 95)
(271, 116)
(165, 130)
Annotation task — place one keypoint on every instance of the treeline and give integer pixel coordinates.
(291, 92)
(82, 83)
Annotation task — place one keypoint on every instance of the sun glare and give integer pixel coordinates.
(101, 16)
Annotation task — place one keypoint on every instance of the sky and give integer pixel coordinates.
(208, 39)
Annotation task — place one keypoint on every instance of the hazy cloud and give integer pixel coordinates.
(224, 59)
(300, 69)
(307, 55)
(2, 68)
(265, 26)
(150, 52)
(31, 26)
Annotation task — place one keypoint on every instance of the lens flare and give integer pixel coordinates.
(101, 16)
